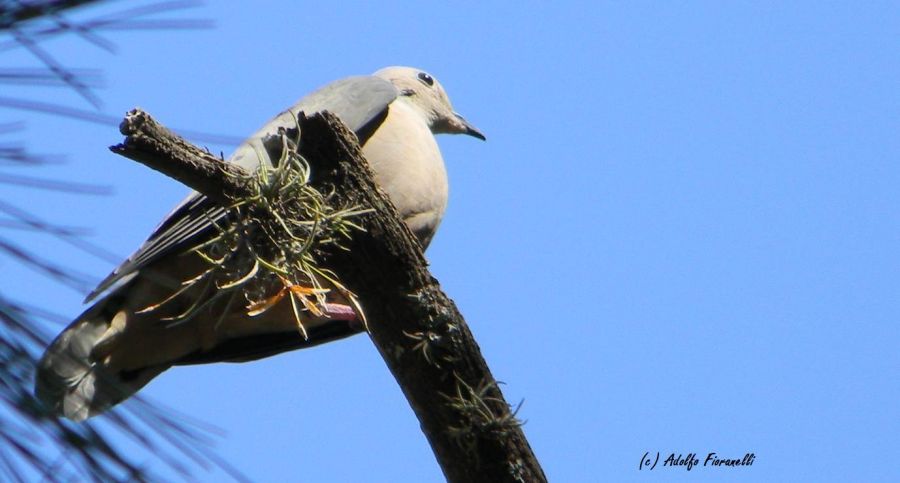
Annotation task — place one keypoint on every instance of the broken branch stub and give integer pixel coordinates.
(154, 146)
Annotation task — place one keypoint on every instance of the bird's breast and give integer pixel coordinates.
(408, 165)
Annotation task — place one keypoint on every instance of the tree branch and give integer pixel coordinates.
(417, 329)
(154, 146)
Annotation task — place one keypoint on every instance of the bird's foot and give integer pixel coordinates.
(343, 312)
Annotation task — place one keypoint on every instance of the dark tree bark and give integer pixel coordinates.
(417, 329)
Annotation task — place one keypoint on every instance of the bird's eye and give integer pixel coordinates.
(426, 78)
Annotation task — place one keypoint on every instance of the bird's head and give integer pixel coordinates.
(425, 92)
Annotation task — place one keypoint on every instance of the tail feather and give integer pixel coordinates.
(72, 384)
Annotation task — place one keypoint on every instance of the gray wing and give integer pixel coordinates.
(360, 102)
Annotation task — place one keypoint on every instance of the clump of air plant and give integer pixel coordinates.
(268, 244)
(481, 414)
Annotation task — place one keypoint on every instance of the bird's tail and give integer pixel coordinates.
(72, 378)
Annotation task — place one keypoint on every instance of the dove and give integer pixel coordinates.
(116, 346)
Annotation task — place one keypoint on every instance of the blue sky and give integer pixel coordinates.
(681, 235)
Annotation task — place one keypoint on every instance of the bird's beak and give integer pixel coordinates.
(464, 127)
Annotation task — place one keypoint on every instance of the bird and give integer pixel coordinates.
(115, 347)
